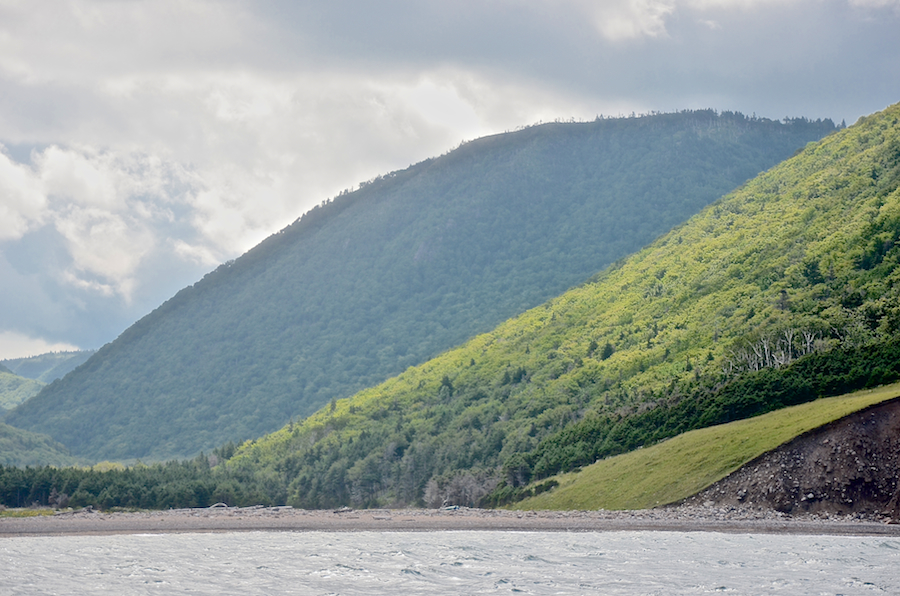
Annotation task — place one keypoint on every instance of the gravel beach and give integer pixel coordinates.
(288, 519)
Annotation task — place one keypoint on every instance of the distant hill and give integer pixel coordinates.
(15, 389)
(48, 367)
(783, 291)
(394, 273)
(22, 378)
(22, 448)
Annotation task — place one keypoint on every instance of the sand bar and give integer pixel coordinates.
(287, 519)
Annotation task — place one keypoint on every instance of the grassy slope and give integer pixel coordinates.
(686, 464)
(811, 244)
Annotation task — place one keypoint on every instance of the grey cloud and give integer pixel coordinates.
(44, 305)
(788, 55)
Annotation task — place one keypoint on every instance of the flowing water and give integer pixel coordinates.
(465, 562)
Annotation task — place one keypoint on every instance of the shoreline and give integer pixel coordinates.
(287, 519)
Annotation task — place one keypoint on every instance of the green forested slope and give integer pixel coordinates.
(22, 448)
(48, 367)
(796, 269)
(392, 274)
(22, 378)
(15, 389)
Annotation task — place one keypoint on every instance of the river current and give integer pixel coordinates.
(463, 562)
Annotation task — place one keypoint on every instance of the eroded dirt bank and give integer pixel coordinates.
(850, 466)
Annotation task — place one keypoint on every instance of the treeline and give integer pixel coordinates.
(172, 485)
(207, 479)
(21, 448)
(638, 353)
(46, 367)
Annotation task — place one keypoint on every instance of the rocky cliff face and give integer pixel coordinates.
(849, 466)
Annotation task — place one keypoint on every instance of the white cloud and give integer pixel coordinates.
(627, 20)
(19, 345)
(623, 20)
(22, 201)
(108, 207)
(734, 4)
(198, 254)
(62, 41)
(710, 24)
(105, 245)
(79, 178)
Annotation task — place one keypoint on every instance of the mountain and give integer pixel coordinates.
(782, 291)
(48, 367)
(392, 274)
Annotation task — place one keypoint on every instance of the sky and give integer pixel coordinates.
(144, 142)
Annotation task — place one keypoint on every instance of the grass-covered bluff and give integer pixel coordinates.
(680, 467)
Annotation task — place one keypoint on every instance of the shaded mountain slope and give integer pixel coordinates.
(15, 389)
(799, 267)
(22, 448)
(23, 378)
(392, 274)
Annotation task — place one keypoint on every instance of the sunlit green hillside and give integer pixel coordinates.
(795, 269)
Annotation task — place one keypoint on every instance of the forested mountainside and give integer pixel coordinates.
(23, 378)
(48, 367)
(785, 290)
(15, 389)
(22, 448)
(387, 276)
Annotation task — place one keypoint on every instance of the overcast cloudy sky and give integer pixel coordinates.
(144, 142)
